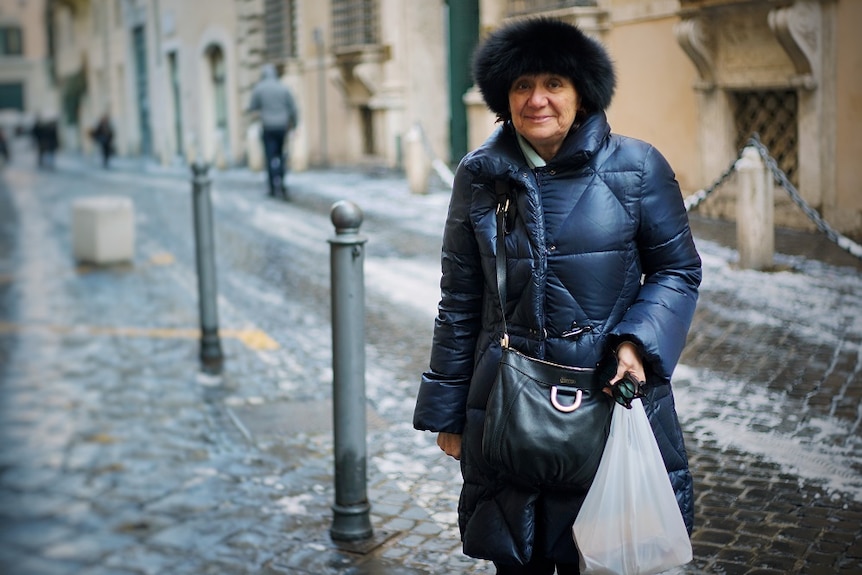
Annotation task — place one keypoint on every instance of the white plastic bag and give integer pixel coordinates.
(630, 522)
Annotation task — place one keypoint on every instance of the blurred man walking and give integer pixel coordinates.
(274, 104)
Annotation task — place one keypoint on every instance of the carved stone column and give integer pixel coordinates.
(804, 31)
(717, 147)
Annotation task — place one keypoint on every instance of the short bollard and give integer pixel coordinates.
(351, 521)
(210, 353)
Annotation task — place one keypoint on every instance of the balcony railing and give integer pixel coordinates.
(524, 7)
(354, 24)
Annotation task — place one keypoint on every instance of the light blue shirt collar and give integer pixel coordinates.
(534, 160)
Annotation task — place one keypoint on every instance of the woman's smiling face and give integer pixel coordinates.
(543, 108)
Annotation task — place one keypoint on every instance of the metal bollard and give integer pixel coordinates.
(210, 353)
(755, 230)
(351, 521)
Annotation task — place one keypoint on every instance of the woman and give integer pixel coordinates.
(595, 213)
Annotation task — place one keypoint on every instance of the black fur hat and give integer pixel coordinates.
(537, 46)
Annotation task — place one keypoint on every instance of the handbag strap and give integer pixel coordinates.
(502, 188)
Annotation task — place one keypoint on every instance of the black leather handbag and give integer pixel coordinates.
(546, 424)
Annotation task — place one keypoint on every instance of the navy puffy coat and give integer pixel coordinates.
(600, 240)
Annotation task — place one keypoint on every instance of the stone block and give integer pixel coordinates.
(103, 230)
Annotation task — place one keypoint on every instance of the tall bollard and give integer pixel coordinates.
(755, 231)
(210, 354)
(351, 521)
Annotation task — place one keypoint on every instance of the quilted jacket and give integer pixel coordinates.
(598, 242)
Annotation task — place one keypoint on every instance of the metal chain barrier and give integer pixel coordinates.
(841, 241)
(694, 200)
(845, 243)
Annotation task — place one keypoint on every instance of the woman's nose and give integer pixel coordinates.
(538, 97)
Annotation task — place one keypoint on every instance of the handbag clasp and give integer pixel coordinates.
(565, 408)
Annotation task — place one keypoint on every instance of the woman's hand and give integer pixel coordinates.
(450, 443)
(629, 359)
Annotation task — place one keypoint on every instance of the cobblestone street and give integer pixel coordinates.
(120, 456)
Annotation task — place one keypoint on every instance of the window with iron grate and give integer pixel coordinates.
(354, 23)
(522, 7)
(279, 30)
(772, 114)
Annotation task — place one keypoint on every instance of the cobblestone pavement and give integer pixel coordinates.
(119, 456)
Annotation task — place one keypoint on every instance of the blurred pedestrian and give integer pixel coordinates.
(46, 139)
(103, 135)
(274, 104)
(4, 147)
(602, 268)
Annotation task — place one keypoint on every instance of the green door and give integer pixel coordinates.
(463, 36)
(142, 86)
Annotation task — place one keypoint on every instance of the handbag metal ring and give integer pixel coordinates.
(565, 408)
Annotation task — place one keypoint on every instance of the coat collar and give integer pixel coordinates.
(582, 143)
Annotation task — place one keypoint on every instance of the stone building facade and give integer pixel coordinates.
(176, 76)
(695, 78)
(165, 71)
(25, 86)
(790, 72)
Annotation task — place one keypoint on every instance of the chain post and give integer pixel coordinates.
(755, 209)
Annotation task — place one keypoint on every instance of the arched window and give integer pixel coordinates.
(10, 41)
(218, 75)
